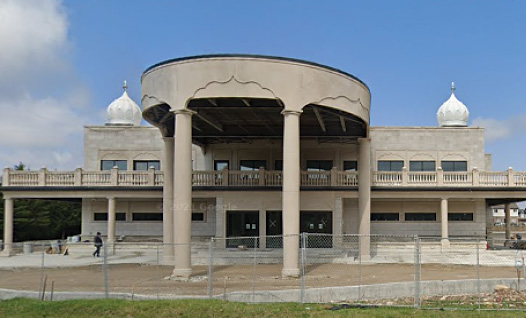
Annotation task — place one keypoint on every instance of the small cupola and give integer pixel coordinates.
(124, 111)
(453, 113)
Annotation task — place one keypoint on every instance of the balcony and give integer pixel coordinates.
(263, 178)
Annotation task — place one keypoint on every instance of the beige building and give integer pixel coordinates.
(257, 146)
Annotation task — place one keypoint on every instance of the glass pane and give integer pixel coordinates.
(461, 166)
(220, 165)
(156, 164)
(278, 165)
(384, 165)
(415, 166)
(106, 165)
(325, 165)
(397, 165)
(428, 166)
(448, 166)
(140, 165)
(350, 165)
(121, 164)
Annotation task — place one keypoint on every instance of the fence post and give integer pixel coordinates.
(478, 273)
(303, 237)
(105, 271)
(211, 268)
(417, 273)
(42, 176)
(359, 267)
(255, 269)
(41, 290)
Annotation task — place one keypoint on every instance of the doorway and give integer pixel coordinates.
(274, 229)
(241, 227)
(317, 223)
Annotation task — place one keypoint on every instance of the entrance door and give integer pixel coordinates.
(317, 223)
(274, 227)
(242, 225)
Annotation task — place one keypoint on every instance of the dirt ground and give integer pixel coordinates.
(152, 279)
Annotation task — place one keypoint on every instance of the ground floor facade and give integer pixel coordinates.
(259, 213)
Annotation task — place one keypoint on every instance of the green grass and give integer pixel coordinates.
(21, 308)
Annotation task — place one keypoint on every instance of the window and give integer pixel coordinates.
(460, 216)
(146, 164)
(198, 216)
(278, 165)
(421, 216)
(252, 165)
(422, 166)
(350, 166)
(385, 216)
(220, 165)
(455, 165)
(390, 165)
(319, 165)
(103, 216)
(109, 164)
(148, 217)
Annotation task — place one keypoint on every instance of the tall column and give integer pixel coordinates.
(364, 197)
(8, 227)
(111, 225)
(182, 194)
(444, 222)
(291, 193)
(507, 214)
(168, 199)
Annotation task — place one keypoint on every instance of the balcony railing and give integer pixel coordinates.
(265, 178)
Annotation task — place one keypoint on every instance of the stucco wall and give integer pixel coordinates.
(429, 143)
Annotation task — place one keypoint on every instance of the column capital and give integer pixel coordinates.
(291, 112)
(184, 111)
(111, 197)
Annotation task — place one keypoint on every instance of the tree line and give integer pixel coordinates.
(38, 219)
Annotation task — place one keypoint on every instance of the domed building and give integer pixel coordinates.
(124, 111)
(233, 150)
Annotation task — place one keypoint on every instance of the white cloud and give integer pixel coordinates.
(37, 127)
(500, 129)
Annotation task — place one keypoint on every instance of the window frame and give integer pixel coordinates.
(454, 167)
(421, 214)
(390, 162)
(118, 217)
(148, 162)
(373, 219)
(146, 219)
(115, 162)
(422, 163)
(450, 214)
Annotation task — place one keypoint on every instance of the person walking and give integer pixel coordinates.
(98, 245)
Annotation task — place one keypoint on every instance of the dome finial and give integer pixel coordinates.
(125, 86)
(453, 88)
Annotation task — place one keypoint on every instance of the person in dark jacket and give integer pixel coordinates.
(98, 245)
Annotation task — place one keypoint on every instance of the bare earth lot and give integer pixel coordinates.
(151, 279)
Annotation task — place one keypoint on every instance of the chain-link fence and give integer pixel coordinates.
(466, 273)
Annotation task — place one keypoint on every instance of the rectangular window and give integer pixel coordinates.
(198, 216)
(460, 216)
(278, 165)
(422, 166)
(390, 165)
(350, 166)
(146, 164)
(103, 216)
(252, 165)
(454, 165)
(109, 164)
(147, 217)
(421, 216)
(220, 165)
(319, 165)
(385, 217)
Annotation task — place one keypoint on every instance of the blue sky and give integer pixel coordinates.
(68, 59)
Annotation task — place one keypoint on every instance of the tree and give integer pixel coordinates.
(20, 166)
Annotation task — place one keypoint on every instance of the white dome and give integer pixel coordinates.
(453, 113)
(124, 111)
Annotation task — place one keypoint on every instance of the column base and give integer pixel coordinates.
(181, 274)
(445, 243)
(7, 253)
(290, 273)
